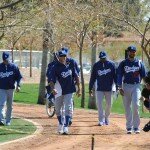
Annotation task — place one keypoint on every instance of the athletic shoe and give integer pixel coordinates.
(1, 123)
(136, 130)
(65, 130)
(70, 122)
(129, 131)
(100, 123)
(60, 129)
(7, 123)
(106, 122)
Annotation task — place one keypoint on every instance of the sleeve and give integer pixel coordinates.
(18, 76)
(52, 75)
(75, 72)
(92, 78)
(120, 72)
(142, 70)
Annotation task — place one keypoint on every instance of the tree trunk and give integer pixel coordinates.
(41, 97)
(92, 99)
(82, 80)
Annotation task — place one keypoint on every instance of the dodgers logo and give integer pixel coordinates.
(103, 72)
(7, 74)
(66, 74)
(131, 69)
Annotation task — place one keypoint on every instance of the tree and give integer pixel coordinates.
(141, 27)
(92, 100)
(47, 43)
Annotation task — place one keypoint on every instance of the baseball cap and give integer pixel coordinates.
(102, 54)
(62, 53)
(65, 49)
(5, 56)
(132, 48)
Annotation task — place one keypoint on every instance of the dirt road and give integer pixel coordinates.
(111, 137)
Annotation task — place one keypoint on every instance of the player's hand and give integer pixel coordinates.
(54, 91)
(121, 91)
(78, 93)
(91, 93)
(17, 89)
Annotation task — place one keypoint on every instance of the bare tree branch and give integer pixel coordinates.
(10, 5)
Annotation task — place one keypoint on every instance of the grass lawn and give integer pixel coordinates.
(19, 128)
(29, 94)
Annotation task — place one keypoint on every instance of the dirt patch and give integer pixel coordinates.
(111, 137)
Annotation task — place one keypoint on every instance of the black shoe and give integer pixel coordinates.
(1, 124)
(70, 123)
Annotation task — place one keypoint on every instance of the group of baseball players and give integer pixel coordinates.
(63, 79)
(127, 78)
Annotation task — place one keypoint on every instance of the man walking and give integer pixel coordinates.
(65, 73)
(9, 76)
(130, 72)
(104, 73)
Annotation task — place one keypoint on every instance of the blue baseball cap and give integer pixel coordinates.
(62, 53)
(5, 56)
(132, 48)
(102, 54)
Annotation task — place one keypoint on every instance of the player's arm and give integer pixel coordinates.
(77, 80)
(92, 80)
(120, 71)
(52, 81)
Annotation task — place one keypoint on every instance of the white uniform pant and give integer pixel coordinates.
(103, 113)
(131, 102)
(6, 97)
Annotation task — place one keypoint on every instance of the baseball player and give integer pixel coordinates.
(129, 76)
(9, 76)
(104, 73)
(65, 73)
(57, 85)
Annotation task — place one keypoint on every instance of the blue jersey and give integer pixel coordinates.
(70, 61)
(9, 74)
(105, 75)
(131, 72)
(65, 74)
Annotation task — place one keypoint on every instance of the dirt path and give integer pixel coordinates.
(112, 137)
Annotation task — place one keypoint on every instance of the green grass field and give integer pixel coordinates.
(29, 94)
(19, 128)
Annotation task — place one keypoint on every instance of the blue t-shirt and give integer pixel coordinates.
(9, 74)
(105, 75)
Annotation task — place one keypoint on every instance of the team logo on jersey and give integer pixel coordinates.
(131, 69)
(103, 72)
(6, 74)
(66, 74)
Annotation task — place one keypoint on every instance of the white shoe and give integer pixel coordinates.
(7, 123)
(101, 123)
(60, 129)
(65, 130)
(136, 131)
